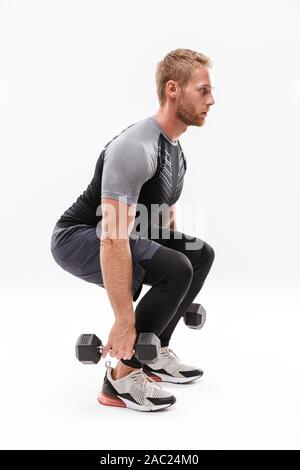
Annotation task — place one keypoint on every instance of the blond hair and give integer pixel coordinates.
(178, 65)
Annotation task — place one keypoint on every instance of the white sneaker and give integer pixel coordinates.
(136, 391)
(169, 368)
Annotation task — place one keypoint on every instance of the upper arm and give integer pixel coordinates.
(172, 211)
(127, 166)
(117, 219)
(173, 216)
(168, 217)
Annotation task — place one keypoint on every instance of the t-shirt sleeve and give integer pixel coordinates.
(127, 166)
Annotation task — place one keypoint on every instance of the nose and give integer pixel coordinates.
(210, 100)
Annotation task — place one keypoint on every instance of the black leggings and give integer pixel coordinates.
(176, 273)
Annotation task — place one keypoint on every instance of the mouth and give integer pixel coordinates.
(203, 114)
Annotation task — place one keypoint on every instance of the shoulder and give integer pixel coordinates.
(136, 145)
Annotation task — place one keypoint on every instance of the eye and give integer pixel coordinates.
(204, 90)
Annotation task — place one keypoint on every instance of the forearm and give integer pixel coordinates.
(116, 267)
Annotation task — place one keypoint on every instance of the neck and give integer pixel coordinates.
(171, 126)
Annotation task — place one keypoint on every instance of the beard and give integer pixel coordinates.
(186, 112)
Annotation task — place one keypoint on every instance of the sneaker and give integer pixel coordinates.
(169, 368)
(136, 391)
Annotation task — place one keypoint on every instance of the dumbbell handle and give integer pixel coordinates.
(100, 348)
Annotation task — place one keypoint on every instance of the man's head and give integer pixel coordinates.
(183, 86)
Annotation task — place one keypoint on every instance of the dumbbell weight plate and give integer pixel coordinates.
(195, 316)
(88, 349)
(147, 348)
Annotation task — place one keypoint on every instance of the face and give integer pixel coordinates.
(195, 100)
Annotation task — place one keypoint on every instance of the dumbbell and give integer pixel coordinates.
(89, 348)
(195, 316)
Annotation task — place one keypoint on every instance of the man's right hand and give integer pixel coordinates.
(121, 340)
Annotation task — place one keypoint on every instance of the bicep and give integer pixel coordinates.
(117, 219)
(126, 168)
(173, 217)
(172, 211)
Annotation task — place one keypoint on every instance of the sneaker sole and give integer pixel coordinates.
(109, 400)
(174, 380)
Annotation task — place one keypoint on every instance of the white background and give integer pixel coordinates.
(73, 75)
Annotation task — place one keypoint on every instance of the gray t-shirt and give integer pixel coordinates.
(131, 160)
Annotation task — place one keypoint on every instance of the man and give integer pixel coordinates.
(143, 166)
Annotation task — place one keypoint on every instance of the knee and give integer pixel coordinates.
(209, 252)
(204, 256)
(182, 267)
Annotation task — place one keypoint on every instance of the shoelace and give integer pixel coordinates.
(143, 379)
